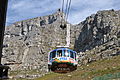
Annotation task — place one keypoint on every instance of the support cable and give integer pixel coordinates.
(68, 10)
(63, 6)
(67, 5)
(62, 12)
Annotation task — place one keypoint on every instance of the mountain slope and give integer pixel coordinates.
(90, 71)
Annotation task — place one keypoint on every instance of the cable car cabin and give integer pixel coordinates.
(62, 60)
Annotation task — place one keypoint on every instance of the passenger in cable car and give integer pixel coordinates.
(59, 53)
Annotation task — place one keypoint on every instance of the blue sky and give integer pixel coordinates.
(25, 9)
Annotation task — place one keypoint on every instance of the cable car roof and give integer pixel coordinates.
(62, 49)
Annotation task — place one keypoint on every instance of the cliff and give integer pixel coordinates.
(99, 36)
(27, 43)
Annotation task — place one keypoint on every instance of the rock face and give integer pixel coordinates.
(28, 42)
(99, 36)
(99, 29)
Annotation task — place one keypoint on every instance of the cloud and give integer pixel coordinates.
(82, 9)
(25, 9)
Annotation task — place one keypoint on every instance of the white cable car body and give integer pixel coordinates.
(62, 60)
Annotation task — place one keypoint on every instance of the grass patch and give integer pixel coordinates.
(108, 76)
(49, 75)
(102, 68)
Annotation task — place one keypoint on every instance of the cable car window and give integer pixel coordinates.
(63, 54)
(75, 55)
(71, 54)
(50, 56)
(53, 54)
(66, 53)
(59, 53)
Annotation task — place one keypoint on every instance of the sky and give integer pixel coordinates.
(80, 9)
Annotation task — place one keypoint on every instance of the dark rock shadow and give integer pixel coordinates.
(91, 35)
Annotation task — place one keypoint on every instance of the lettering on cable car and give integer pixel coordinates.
(63, 58)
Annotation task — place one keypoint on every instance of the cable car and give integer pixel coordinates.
(62, 60)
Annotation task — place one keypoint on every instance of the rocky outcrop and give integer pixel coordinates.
(28, 42)
(99, 36)
(98, 29)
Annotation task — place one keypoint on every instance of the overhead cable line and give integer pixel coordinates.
(62, 17)
(68, 10)
(63, 6)
(62, 11)
(65, 9)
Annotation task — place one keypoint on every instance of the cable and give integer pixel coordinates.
(68, 4)
(63, 6)
(62, 10)
(61, 21)
(68, 10)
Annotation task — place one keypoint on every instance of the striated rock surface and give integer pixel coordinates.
(99, 36)
(28, 42)
(98, 29)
